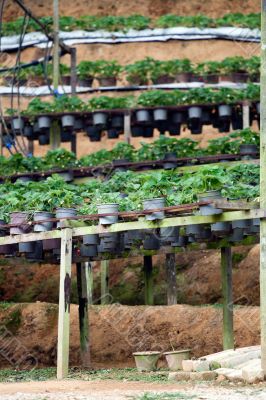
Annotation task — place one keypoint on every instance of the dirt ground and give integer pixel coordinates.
(77, 390)
(117, 331)
(152, 8)
(198, 279)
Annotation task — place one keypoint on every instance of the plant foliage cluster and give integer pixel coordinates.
(137, 22)
(129, 189)
(151, 98)
(63, 159)
(148, 69)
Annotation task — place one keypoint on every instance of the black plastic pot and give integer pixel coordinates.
(51, 244)
(44, 139)
(99, 119)
(151, 242)
(174, 130)
(237, 235)
(63, 212)
(27, 247)
(42, 226)
(143, 116)
(249, 148)
(91, 239)
(137, 130)
(169, 235)
(17, 124)
(21, 220)
(241, 224)
(113, 134)
(28, 131)
(160, 114)
(85, 82)
(193, 230)
(220, 228)
(88, 250)
(79, 125)
(107, 81)
(208, 196)
(206, 118)
(181, 242)
(195, 126)
(147, 131)
(68, 121)
(170, 164)
(237, 118)
(151, 204)
(66, 135)
(37, 254)
(44, 123)
(117, 121)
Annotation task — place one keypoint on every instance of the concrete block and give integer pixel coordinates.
(179, 376)
(203, 376)
(238, 359)
(253, 373)
(195, 365)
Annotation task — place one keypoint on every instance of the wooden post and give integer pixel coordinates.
(127, 127)
(246, 122)
(83, 291)
(31, 147)
(55, 137)
(90, 282)
(104, 282)
(148, 280)
(171, 279)
(263, 188)
(226, 271)
(1, 139)
(64, 304)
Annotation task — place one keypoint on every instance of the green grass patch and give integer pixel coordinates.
(164, 396)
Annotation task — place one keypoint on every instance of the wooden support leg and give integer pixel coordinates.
(104, 282)
(64, 304)
(83, 288)
(226, 267)
(171, 279)
(90, 282)
(148, 280)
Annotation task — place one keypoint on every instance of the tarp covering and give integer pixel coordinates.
(44, 90)
(147, 35)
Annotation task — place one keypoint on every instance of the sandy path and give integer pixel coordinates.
(80, 390)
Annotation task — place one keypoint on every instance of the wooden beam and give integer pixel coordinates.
(226, 272)
(83, 294)
(64, 304)
(104, 282)
(263, 187)
(148, 280)
(170, 267)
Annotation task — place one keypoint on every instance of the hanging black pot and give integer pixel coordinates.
(206, 118)
(143, 116)
(44, 139)
(225, 114)
(96, 138)
(44, 123)
(151, 242)
(169, 235)
(37, 254)
(195, 126)
(17, 124)
(51, 244)
(221, 228)
(137, 130)
(249, 148)
(85, 82)
(68, 121)
(113, 134)
(181, 242)
(93, 131)
(174, 130)
(88, 250)
(28, 132)
(160, 114)
(118, 166)
(78, 125)
(237, 235)
(205, 234)
(117, 121)
(66, 135)
(92, 239)
(241, 224)
(147, 131)
(170, 164)
(254, 226)
(27, 247)
(237, 118)
(193, 230)
(99, 119)
(209, 196)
